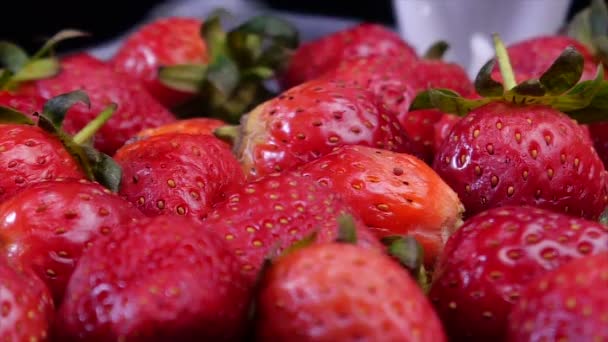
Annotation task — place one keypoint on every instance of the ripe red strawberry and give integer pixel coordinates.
(340, 292)
(159, 279)
(318, 57)
(163, 42)
(30, 155)
(188, 126)
(534, 155)
(25, 103)
(178, 174)
(47, 226)
(276, 211)
(26, 307)
(488, 262)
(442, 129)
(311, 120)
(137, 110)
(393, 193)
(570, 303)
(420, 128)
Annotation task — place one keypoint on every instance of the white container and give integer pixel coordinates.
(467, 25)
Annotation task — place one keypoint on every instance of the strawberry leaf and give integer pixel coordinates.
(185, 77)
(564, 73)
(55, 39)
(103, 168)
(485, 85)
(37, 69)
(12, 57)
(273, 28)
(223, 74)
(308, 240)
(11, 116)
(347, 230)
(410, 254)
(56, 108)
(437, 50)
(528, 88)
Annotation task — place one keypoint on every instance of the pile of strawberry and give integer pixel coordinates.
(169, 195)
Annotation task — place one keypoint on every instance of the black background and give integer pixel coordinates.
(30, 22)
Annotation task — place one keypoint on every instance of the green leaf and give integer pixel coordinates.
(214, 36)
(244, 48)
(223, 74)
(422, 101)
(273, 28)
(104, 169)
(56, 108)
(598, 18)
(12, 57)
(579, 28)
(347, 229)
(55, 39)
(437, 50)
(448, 101)
(597, 111)
(564, 73)
(259, 73)
(9, 115)
(37, 69)
(528, 88)
(307, 241)
(485, 85)
(410, 254)
(185, 77)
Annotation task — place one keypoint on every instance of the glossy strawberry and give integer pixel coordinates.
(442, 129)
(25, 103)
(188, 126)
(163, 42)
(505, 154)
(159, 279)
(30, 155)
(47, 226)
(315, 58)
(311, 120)
(340, 292)
(137, 110)
(570, 303)
(420, 128)
(276, 211)
(393, 193)
(26, 309)
(488, 262)
(178, 174)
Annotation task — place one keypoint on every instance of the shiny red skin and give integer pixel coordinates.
(570, 303)
(311, 120)
(47, 226)
(313, 59)
(26, 305)
(275, 212)
(30, 155)
(178, 174)
(28, 104)
(158, 279)
(339, 292)
(136, 111)
(189, 126)
(503, 154)
(420, 128)
(598, 132)
(163, 42)
(488, 262)
(530, 58)
(393, 193)
(442, 129)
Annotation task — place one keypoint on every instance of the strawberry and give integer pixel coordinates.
(26, 307)
(341, 292)
(163, 42)
(314, 59)
(178, 174)
(570, 303)
(420, 127)
(158, 279)
(393, 193)
(137, 110)
(47, 226)
(516, 146)
(271, 214)
(188, 126)
(311, 120)
(32, 152)
(487, 263)
(441, 128)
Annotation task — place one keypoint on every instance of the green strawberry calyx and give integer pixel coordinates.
(16, 66)
(558, 87)
(590, 27)
(410, 254)
(97, 166)
(241, 61)
(437, 50)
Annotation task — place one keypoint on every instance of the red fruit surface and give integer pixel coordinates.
(311, 120)
(25, 103)
(339, 292)
(47, 226)
(159, 279)
(137, 109)
(393, 193)
(178, 174)
(570, 303)
(442, 129)
(275, 212)
(26, 307)
(188, 126)
(434, 73)
(503, 154)
(313, 59)
(419, 125)
(163, 42)
(488, 262)
(29, 155)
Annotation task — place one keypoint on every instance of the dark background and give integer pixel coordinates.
(30, 22)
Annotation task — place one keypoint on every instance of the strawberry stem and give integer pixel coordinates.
(92, 127)
(506, 70)
(227, 133)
